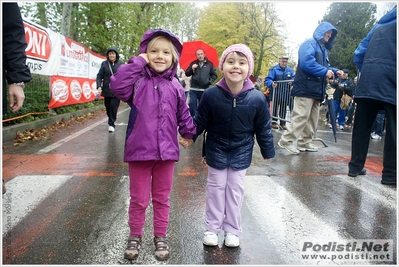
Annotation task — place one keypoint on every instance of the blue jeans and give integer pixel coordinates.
(340, 113)
(195, 98)
(378, 126)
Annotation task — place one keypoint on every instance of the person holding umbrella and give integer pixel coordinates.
(203, 74)
(309, 89)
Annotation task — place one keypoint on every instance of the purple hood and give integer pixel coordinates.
(150, 34)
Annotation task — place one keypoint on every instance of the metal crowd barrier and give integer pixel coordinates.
(282, 102)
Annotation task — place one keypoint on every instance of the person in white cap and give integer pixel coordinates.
(232, 113)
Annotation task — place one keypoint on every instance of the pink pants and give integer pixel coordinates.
(150, 179)
(224, 198)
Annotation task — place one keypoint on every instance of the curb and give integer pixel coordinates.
(9, 132)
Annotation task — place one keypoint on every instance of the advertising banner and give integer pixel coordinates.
(73, 66)
(71, 90)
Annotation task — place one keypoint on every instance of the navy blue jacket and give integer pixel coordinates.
(310, 77)
(376, 59)
(232, 122)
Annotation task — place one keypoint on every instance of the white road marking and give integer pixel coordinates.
(69, 138)
(24, 193)
(288, 223)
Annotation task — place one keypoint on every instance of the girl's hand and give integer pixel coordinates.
(185, 142)
(144, 55)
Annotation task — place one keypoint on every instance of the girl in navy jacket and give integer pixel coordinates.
(233, 113)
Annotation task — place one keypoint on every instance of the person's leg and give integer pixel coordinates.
(161, 186)
(379, 123)
(284, 105)
(300, 117)
(310, 127)
(113, 110)
(351, 110)
(215, 199)
(234, 200)
(389, 160)
(192, 103)
(341, 117)
(107, 104)
(275, 107)
(140, 176)
(366, 111)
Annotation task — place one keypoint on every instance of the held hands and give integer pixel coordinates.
(195, 66)
(185, 142)
(17, 97)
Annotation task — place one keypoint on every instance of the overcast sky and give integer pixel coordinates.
(300, 18)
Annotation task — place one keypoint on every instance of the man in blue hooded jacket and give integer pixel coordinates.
(376, 59)
(309, 89)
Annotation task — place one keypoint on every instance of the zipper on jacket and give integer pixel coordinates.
(234, 102)
(156, 87)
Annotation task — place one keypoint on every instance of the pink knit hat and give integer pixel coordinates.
(238, 48)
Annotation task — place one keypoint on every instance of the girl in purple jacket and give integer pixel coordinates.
(158, 114)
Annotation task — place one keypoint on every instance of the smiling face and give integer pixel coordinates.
(160, 54)
(112, 56)
(235, 67)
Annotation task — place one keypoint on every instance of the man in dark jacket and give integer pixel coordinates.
(107, 69)
(309, 89)
(376, 59)
(15, 70)
(203, 74)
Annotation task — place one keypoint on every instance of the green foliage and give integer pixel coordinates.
(353, 21)
(254, 24)
(36, 102)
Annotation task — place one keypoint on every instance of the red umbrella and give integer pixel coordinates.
(188, 53)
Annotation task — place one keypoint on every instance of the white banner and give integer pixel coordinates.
(49, 53)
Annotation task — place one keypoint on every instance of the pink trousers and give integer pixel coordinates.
(224, 198)
(150, 180)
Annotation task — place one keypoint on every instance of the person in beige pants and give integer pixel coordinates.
(309, 89)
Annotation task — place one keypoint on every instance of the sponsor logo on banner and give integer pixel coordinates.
(60, 91)
(39, 46)
(76, 90)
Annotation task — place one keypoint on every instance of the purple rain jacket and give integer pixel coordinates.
(158, 106)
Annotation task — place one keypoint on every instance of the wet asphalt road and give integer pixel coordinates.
(67, 202)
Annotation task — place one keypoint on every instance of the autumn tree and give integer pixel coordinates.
(353, 22)
(253, 24)
(99, 25)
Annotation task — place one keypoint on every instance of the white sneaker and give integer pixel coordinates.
(111, 129)
(309, 147)
(231, 240)
(210, 239)
(341, 127)
(376, 136)
(289, 148)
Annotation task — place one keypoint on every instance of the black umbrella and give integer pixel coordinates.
(331, 110)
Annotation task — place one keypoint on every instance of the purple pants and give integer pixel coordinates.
(150, 180)
(224, 198)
